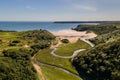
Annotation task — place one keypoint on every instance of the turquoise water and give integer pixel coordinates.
(23, 26)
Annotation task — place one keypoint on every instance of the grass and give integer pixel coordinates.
(6, 37)
(51, 73)
(46, 57)
(68, 49)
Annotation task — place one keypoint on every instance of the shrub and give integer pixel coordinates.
(16, 65)
(16, 41)
(39, 46)
(0, 41)
(65, 41)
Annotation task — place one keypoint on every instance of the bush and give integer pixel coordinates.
(37, 35)
(14, 42)
(108, 37)
(65, 41)
(16, 65)
(39, 46)
(0, 41)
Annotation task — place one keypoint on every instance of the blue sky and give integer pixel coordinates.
(59, 10)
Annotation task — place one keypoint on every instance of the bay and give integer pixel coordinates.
(23, 26)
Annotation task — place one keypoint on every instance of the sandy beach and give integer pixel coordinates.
(73, 35)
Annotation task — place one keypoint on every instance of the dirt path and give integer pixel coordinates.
(39, 71)
(87, 41)
(75, 52)
(37, 63)
(62, 69)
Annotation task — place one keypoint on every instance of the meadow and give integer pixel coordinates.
(45, 57)
(51, 73)
(68, 49)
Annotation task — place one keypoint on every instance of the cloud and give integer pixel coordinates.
(30, 8)
(84, 7)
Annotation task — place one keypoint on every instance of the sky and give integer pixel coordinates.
(59, 10)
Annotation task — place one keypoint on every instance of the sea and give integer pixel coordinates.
(24, 26)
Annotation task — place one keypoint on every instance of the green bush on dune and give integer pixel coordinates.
(40, 38)
(65, 41)
(40, 45)
(108, 37)
(16, 65)
(37, 35)
(98, 29)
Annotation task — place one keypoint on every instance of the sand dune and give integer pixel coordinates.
(73, 35)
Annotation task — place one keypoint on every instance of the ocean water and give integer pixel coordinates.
(23, 26)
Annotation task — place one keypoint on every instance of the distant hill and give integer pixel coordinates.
(110, 22)
(98, 29)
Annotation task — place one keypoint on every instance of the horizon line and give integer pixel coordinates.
(64, 21)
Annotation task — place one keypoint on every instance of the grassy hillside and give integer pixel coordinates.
(16, 65)
(6, 38)
(36, 39)
(98, 29)
(108, 37)
(100, 63)
(16, 49)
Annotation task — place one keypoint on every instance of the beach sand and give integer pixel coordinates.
(73, 35)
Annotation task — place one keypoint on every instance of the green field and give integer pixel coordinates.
(51, 73)
(7, 37)
(68, 49)
(46, 57)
